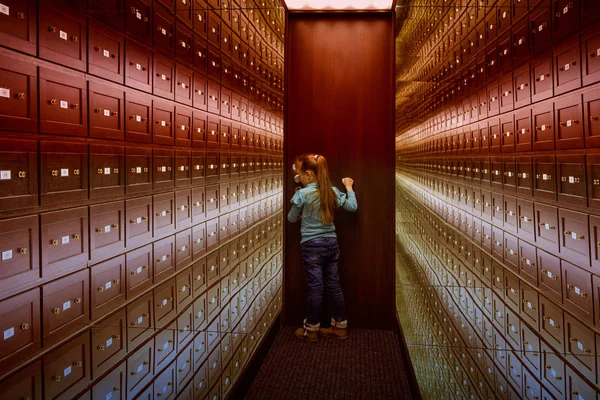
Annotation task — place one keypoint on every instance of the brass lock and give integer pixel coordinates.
(101, 347)
(56, 379)
(76, 236)
(22, 174)
(76, 172)
(142, 119)
(56, 311)
(565, 68)
(23, 250)
(100, 289)
(572, 122)
(54, 242)
(78, 364)
(20, 96)
(78, 300)
(75, 39)
(75, 106)
(52, 29)
(53, 102)
(20, 15)
(25, 326)
(539, 79)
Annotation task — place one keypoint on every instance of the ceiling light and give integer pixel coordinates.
(360, 4)
(306, 5)
(294, 4)
(338, 4)
(382, 4)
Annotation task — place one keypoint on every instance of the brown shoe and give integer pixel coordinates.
(335, 331)
(307, 335)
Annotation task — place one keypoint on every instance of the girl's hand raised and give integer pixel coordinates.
(348, 182)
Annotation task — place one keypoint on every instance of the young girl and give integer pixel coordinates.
(315, 204)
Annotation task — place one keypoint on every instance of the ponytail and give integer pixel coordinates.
(318, 165)
(328, 199)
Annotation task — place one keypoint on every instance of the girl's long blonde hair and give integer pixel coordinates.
(317, 164)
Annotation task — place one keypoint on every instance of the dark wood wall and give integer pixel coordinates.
(339, 103)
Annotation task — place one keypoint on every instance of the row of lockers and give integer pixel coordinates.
(58, 242)
(59, 172)
(504, 41)
(565, 122)
(502, 322)
(567, 65)
(434, 380)
(442, 363)
(66, 302)
(493, 367)
(456, 357)
(566, 281)
(71, 105)
(474, 24)
(541, 359)
(555, 72)
(210, 279)
(536, 241)
(247, 18)
(435, 365)
(549, 226)
(244, 22)
(64, 35)
(203, 338)
(572, 178)
(150, 254)
(567, 119)
(533, 285)
(136, 271)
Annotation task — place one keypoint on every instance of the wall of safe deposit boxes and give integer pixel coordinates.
(501, 195)
(140, 195)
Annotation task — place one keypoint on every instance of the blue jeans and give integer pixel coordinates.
(321, 256)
